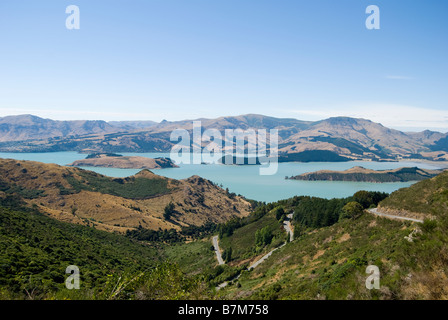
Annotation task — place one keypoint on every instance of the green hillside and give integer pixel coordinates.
(35, 251)
(330, 261)
(428, 197)
(254, 235)
(335, 241)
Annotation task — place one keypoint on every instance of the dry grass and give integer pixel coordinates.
(196, 200)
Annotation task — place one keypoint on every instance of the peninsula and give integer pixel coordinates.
(123, 162)
(361, 174)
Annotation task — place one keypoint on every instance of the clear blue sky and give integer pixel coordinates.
(184, 59)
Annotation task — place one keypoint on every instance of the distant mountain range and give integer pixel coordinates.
(356, 139)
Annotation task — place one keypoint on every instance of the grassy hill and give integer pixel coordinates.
(426, 198)
(144, 200)
(35, 251)
(243, 240)
(335, 241)
(330, 261)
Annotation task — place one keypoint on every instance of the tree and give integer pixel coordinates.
(263, 236)
(227, 254)
(351, 210)
(279, 212)
(369, 198)
(168, 211)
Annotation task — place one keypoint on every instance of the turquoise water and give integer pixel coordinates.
(245, 180)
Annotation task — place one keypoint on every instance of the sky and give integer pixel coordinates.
(187, 59)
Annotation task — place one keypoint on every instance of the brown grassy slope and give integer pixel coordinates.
(196, 200)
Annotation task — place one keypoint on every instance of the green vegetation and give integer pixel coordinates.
(253, 235)
(335, 240)
(428, 197)
(351, 210)
(304, 156)
(168, 211)
(35, 250)
(331, 262)
(163, 282)
(227, 255)
(263, 236)
(167, 236)
(312, 212)
(97, 155)
(319, 265)
(192, 257)
(130, 188)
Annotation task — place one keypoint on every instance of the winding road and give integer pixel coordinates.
(217, 251)
(376, 212)
(288, 229)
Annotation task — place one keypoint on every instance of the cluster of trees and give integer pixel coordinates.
(280, 213)
(168, 211)
(97, 155)
(227, 255)
(172, 235)
(261, 209)
(318, 212)
(130, 188)
(198, 232)
(263, 236)
(142, 234)
(315, 212)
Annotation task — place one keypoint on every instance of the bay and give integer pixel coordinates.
(245, 180)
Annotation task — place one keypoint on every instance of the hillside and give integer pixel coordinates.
(145, 200)
(427, 198)
(329, 261)
(334, 242)
(347, 138)
(36, 250)
(360, 174)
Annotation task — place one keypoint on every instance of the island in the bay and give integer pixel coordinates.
(112, 160)
(361, 174)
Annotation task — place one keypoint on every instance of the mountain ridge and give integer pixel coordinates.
(358, 139)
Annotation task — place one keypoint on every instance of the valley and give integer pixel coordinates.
(180, 232)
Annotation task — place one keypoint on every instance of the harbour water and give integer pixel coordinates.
(246, 180)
